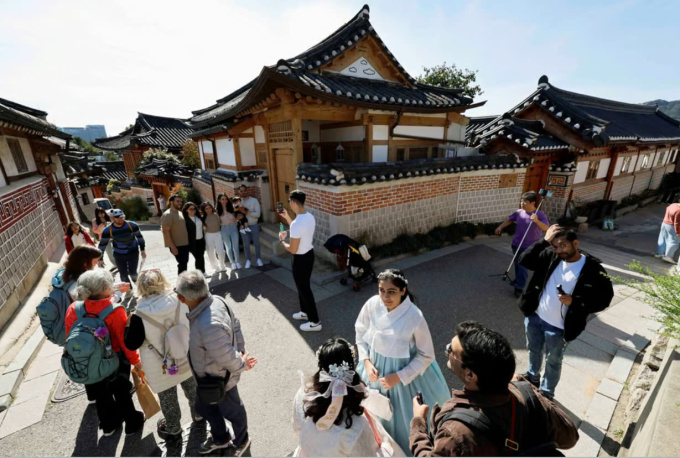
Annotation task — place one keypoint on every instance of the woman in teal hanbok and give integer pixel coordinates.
(396, 354)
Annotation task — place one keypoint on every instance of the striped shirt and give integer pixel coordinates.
(125, 239)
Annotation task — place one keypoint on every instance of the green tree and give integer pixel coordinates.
(450, 76)
(111, 156)
(190, 156)
(661, 292)
(85, 146)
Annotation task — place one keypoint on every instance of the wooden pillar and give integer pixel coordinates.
(273, 175)
(368, 154)
(237, 153)
(296, 124)
(610, 173)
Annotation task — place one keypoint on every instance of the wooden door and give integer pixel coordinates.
(285, 176)
(536, 176)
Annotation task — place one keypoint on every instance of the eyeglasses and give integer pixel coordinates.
(192, 208)
(449, 352)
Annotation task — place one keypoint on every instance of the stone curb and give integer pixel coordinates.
(15, 372)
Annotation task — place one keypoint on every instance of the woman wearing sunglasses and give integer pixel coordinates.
(396, 353)
(196, 231)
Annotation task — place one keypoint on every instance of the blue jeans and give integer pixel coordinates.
(231, 408)
(668, 241)
(230, 238)
(255, 234)
(521, 272)
(540, 334)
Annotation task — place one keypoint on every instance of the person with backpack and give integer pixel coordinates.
(159, 328)
(95, 353)
(127, 242)
(496, 413)
(566, 287)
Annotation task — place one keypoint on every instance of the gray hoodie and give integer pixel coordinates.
(211, 341)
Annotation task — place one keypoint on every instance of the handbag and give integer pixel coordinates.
(147, 398)
(211, 389)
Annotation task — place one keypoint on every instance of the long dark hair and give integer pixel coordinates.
(204, 205)
(398, 279)
(97, 219)
(69, 231)
(335, 351)
(186, 206)
(230, 206)
(79, 261)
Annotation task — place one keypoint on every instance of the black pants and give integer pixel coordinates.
(231, 408)
(182, 258)
(127, 265)
(113, 399)
(198, 251)
(302, 274)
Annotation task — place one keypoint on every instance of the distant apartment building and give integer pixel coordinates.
(87, 133)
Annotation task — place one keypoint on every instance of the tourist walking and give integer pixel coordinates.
(225, 210)
(76, 236)
(523, 219)
(329, 416)
(669, 236)
(112, 395)
(492, 415)
(195, 231)
(127, 242)
(566, 287)
(175, 234)
(250, 207)
(217, 351)
(213, 238)
(396, 353)
(159, 328)
(99, 223)
(302, 248)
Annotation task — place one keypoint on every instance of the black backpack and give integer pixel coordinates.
(508, 439)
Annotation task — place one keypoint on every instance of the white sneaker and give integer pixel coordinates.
(247, 264)
(238, 266)
(310, 327)
(243, 231)
(658, 255)
(669, 260)
(206, 275)
(221, 269)
(247, 229)
(300, 316)
(259, 262)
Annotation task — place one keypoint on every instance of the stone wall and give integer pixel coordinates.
(642, 181)
(590, 193)
(481, 200)
(30, 233)
(560, 184)
(621, 187)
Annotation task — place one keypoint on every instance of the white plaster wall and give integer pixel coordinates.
(619, 164)
(456, 132)
(604, 167)
(380, 153)
(206, 147)
(8, 160)
(420, 131)
(343, 134)
(248, 131)
(259, 134)
(581, 171)
(2, 181)
(247, 147)
(225, 151)
(381, 132)
(200, 154)
(313, 128)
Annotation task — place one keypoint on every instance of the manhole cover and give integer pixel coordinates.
(66, 389)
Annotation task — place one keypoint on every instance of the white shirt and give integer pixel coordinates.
(199, 227)
(302, 228)
(253, 206)
(550, 309)
(392, 334)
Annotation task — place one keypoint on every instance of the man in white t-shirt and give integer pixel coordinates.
(566, 287)
(302, 248)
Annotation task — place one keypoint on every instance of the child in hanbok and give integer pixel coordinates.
(396, 353)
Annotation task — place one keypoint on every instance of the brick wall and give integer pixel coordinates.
(621, 187)
(642, 180)
(591, 192)
(555, 206)
(30, 232)
(378, 212)
(204, 188)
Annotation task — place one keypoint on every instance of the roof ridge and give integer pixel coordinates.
(24, 109)
(585, 99)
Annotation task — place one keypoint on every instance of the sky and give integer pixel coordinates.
(102, 62)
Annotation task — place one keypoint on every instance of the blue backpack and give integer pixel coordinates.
(88, 357)
(52, 309)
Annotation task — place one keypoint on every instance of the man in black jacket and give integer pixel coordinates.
(566, 287)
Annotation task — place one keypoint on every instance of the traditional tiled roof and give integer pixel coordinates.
(303, 73)
(477, 122)
(100, 172)
(28, 119)
(336, 174)
(149, 130)
(165, 169)
(113, 170)
(234, 175)
(526, 134)
(602, 121)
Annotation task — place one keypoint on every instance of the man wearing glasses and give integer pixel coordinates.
(127, 242)
(495, 413)
(175, 234)
(566, 287)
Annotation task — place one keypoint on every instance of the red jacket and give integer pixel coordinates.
(69, 243)
(115, 322)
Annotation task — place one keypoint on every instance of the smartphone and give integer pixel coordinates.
(279, 207)
(560, 290)
(419, 396)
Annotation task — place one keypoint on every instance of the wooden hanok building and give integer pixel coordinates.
(345, 99)
(583, 148)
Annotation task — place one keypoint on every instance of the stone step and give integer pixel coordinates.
(269, 244)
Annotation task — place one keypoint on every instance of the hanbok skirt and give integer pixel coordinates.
(431, 383)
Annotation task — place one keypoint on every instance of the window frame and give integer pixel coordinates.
(625, 164)
(23, 166)
(593, 168)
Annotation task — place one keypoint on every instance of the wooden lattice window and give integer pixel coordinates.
(417, 153)
(593, 167)
(401, 154)
(281, 132)
(261, 151)
(659, 161)
(17, 155)
(645, 161)
(625, 164)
